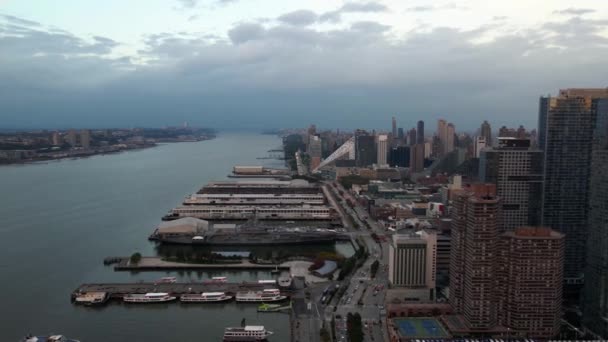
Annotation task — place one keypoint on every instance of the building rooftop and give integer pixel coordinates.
(420, 327)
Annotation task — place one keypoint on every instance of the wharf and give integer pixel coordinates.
(119, 290)
(157, 264)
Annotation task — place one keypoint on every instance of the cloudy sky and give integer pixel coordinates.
(286, 63)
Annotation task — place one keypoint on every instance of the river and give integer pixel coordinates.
(61, 219)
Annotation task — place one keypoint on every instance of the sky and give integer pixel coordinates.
(286, 63)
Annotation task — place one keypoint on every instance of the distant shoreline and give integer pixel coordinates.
(92, 153)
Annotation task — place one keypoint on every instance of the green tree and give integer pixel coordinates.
(135, 258)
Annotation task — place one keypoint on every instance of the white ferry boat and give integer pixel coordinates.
(267, 295)
(92, 298)
(247, 333)
(52, 338)
(205, 297)
(152, 297)
(167, 280)
(216, 280)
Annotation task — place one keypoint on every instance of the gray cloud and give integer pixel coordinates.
(420, 9)
(430, 8)
(18, 21)
(352, 7)
(574, 11)
(299, 18)
(285, 75)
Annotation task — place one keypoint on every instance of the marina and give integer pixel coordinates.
(158, 264)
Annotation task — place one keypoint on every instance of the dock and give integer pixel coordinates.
(119, 290)
(158, 264)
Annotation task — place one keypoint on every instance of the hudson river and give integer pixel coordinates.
(61, 219)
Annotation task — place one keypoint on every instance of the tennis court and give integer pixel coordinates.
(415, 327)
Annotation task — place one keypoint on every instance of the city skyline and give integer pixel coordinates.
(68, 68)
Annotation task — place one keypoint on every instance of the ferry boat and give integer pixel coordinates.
(267, 295)
(247, 333)
(52, 338)
(151, 297)
(205, 297)
(216, 280)
(167, 280)
(92, 298)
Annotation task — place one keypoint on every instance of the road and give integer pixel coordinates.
(363, 294)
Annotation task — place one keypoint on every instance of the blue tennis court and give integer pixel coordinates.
(420, 327)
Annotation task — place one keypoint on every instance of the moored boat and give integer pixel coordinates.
(151, 297)
(167, 280)
(267, 295)
(247, 333)
(51, 338)
(216, 280)
(205, 297)
(91, 298)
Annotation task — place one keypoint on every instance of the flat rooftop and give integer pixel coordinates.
(420, 327)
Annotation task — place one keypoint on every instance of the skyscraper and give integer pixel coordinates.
(568, 131)
(56, 139)
(400, 134)
(394, 131)
(417, 158)
(442, 130)
(449, 139)
(420, 133)
(517, 171)
(486, 132)
(412, 137)
(365, 149)
(480, 144)
(382, 152)
(399, 156)
(314, 151)
(529, 277)
(595, 305)
(475, 217)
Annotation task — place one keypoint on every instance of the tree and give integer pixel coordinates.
(135, 258)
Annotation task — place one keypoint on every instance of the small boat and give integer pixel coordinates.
(248, 333)
(52, 338)
(167, 280)
(267, 295)
(91, 298)
(152, 297)
(205, 297)
(216, 280)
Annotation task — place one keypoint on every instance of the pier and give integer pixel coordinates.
(119, 290)
(158, 264)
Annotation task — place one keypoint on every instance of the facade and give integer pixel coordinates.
(411, 137)
(480, 144)
(399, 156)
(71, 138)
(56, 139)
(475, 217)
(529, 278)
(365, 149)
(517, 171)
(442, 133)
(382, 149)
(568, 130)
(85, 139)
(412, 261)
(394, 127)
(595, 304)
(417, 158)
(420, 133)
(486, 133)
(449, 141)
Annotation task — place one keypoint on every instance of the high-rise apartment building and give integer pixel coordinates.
(315, 149)
(411, 137)
(400, 134)
(529, 278)
(595, 295)
(475, 217)
(480, 144)
(382, 149)
(399, 156)
(486, 132)
(568, 128)
(412, 261)
(85, 139)
(56, 139)
(420, 133)
(442, 134)
(417, 158)
(516, 169)
(71, 137)
(449, 139)
(394, 127)
(365, 149)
